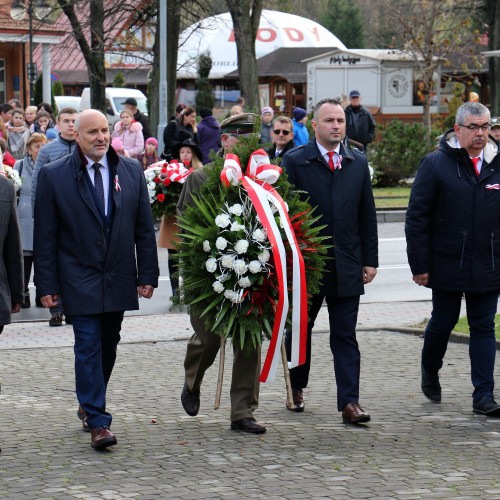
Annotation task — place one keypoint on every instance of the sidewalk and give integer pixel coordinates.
(410, 449)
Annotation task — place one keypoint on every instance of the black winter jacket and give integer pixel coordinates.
(364, 131)
(453, 219)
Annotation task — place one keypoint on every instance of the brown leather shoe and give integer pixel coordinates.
(248, 425)
(298, 400)
(102, 437)
(82, 415)
(354, 414)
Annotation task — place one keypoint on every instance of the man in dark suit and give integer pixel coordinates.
(11, 257)
(452, 239)
(282, 137)
(94, 244)
(336, 179)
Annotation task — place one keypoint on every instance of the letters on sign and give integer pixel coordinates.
(342, 59)
(270, 34)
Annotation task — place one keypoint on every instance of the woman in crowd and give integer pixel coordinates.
(130, 132)
(189, 154)
(150, 154)
(25, 169)
(176, 132)
(30, 115)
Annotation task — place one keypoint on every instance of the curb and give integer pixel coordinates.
(459, 338)
(391, 216)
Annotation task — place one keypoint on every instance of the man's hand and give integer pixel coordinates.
(15, 308)
(421, 279)
(368, 274)
(49, 300)
(145, 291)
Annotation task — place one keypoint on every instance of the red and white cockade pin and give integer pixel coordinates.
(117, 183)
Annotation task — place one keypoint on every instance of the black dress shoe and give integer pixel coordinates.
(248, 425)
(102, 437)
(431, 386)
(190, 401)
(487, 407)
(298, 401)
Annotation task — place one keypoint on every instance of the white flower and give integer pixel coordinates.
(254, 267)
(221, 243)
(240, 266)
(218, 286)
(259, 235)
(241, 246)
(264, 256)
(211, 265)
(236, 226)
(206, 246)
(244, 282)
(227, 261)
(236, 209)
(222, 220)
(235, 297)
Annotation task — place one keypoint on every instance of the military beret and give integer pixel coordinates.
(239, 124)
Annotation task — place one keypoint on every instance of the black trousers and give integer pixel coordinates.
(343, 316)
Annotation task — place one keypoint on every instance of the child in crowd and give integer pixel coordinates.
(117, 145)
(51, 134)
(42, 123)
(150, 154)
(18, 134)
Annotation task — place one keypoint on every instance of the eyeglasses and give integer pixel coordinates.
(474, 128)
(278, 132)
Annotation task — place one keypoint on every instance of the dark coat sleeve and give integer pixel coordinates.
(418, 225)
(13, 254)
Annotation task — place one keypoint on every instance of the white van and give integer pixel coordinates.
(66, 101)
(115, 96)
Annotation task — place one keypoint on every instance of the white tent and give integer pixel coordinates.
(276, 29)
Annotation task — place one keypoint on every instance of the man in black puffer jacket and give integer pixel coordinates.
(453, 245)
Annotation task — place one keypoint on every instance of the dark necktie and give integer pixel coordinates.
(330, 159)
(475, 160)
(98, 185)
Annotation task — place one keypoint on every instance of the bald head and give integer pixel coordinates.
(92, 133)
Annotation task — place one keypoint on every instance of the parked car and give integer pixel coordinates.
(115, 97)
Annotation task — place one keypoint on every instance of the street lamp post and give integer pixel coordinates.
(33, 8)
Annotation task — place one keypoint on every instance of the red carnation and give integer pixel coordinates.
(156, 180)
(166, 182)
(161, 197)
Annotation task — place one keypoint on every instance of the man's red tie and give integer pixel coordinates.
(475, 160)
(330, 160)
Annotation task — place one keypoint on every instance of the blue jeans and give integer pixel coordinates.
(96, 341)
(481, 310)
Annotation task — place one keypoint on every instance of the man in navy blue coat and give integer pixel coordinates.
(94, 244)
(336, 180)
(453, 245)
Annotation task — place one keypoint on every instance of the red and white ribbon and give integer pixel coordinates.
(174, 171)
(493, 186)
(261, 173)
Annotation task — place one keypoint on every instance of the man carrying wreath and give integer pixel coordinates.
(204, 345)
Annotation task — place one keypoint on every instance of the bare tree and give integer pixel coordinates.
(492, 18)
(246, 17)
(435, 33)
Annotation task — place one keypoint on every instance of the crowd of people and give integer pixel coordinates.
(83, 220)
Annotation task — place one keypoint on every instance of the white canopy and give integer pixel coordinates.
(276, 29)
